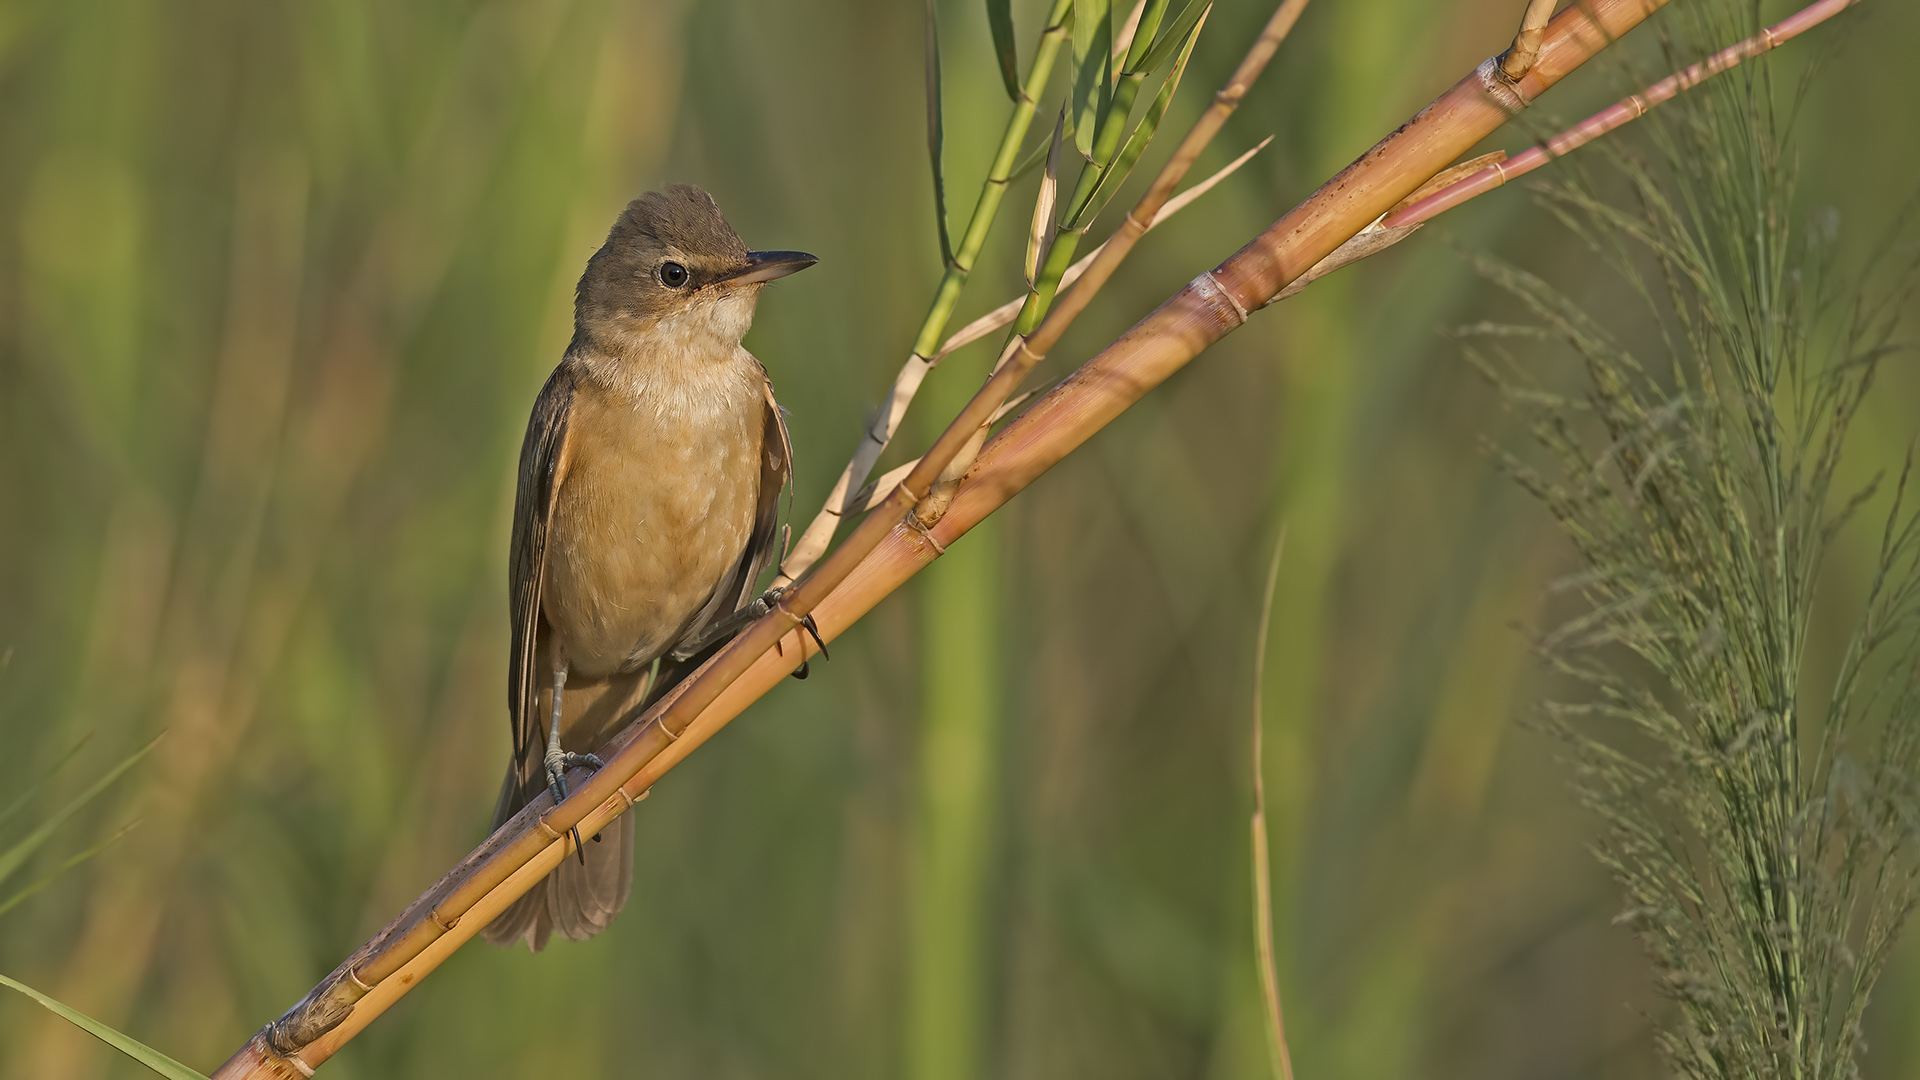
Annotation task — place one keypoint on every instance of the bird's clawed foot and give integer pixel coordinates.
(557, 763)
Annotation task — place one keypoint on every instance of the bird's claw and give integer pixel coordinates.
(813, 631)
(558, 762)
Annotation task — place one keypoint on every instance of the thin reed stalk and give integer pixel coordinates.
(1280, 1057)
(883, 551)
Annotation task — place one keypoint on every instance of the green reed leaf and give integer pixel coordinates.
(1143, 132)
(1000, 23)
(1150, 18)
(937, 135)
(1092, 70)
(126, 1044)
(1174, 34)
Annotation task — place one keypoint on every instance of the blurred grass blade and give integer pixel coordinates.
(1092, 70)
(936, 134)
(12, 859)
(42, 779)
(1176, 33)
(1279, 1059)
(133, 1048)
(1037, 237)
(23, 895)
(1000, 22)
(1143, 132)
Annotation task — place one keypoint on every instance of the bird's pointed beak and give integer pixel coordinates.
(767, 265)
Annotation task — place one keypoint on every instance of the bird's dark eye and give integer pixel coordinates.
(672, 275)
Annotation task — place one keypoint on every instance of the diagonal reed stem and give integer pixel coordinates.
(883, 551)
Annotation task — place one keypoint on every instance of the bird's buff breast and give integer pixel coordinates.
(656, 507)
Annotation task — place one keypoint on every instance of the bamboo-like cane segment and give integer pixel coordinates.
(883, 551)
(1617, 115)
(1526, 44)
(880, 430)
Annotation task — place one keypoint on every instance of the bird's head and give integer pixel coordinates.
(672, 265)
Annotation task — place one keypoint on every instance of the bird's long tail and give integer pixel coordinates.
(583, 894)
(579, 899)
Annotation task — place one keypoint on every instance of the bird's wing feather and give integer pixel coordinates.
(776, 473)
(543, 461)
(763, 543)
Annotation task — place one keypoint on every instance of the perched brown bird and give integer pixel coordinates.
(649, 483)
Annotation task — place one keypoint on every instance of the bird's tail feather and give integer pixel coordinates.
(579, 899)
(583, 894)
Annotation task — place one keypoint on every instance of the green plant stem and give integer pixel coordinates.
(953, 827)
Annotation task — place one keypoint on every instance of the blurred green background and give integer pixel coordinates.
(278, 283)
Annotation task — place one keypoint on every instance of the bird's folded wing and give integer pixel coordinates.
(543, 466)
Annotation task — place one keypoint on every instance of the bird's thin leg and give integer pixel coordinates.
(725, 628)
(558, 761)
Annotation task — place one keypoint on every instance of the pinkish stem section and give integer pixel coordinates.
(1617, 114)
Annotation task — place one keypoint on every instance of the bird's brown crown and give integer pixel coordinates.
(666, 246)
